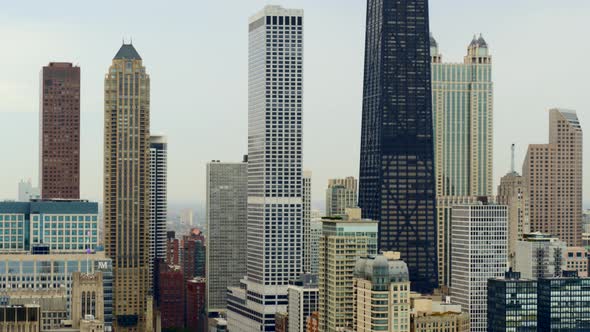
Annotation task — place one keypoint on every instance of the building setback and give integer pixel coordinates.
(462, 110)
(275, 158)
(553, 174)
(59, 136)
(227, 216)
(127, 185)
(397, 184)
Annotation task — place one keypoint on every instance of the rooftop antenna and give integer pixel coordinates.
(512, 158)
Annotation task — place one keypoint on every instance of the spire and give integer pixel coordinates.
(512, 170)
(481, 42)
(127, 51)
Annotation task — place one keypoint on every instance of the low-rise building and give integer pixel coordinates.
(512, 303)
(24, 318)
(433, 315)
(577, 260)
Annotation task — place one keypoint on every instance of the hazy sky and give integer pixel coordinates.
(196, 54)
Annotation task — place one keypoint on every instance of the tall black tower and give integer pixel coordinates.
(397, 185)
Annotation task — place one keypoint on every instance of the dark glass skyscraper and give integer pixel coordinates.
(397, 185)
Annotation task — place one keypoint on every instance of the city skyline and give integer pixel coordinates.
(559, 85)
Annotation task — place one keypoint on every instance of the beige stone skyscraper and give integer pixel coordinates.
(340, 195)
(126, 186)
(462, 109)
(553, 173)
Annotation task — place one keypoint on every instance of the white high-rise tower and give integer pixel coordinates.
(275, 186)
(158, 199)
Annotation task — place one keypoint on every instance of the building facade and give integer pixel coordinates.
(512, 192)
(171, 296)
(340, 195)
(563, 303)
(576, 259)
(553, 174)
(227, 216)
(193, 255)
(303, 300)
(462, 109)
(512, 303)
(158, 199)
(59, 136)
(479, 252)
(428, 315)
(275, 184)
(306, 180)
(62, 226)
(315, 233)
(196, 312)
(397, 184)
(382, 294)
(26, 191)
(344, 240)
(87, 297)
(126, 185)
(540, 256)
(172, 249)
(25, 318)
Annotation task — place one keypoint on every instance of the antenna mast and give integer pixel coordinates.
(512, 158)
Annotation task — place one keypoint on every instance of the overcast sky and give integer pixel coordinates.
(196, 54)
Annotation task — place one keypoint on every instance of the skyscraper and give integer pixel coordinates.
(462, 109)
(344, 240)
(478, 253)
(275, 188)
(126, 185)
(397, 185)
(307, 247)
(227, 207)
(26, 191)
(59, 117)
(553, 174)
(158, 199)
(340, 195)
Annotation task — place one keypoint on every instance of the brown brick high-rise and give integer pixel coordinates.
(59, 116)
(126, 186)
(553, 173)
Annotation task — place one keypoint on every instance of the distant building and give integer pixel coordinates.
(576, 259)
(539, 255)
(193, 255)
(381, 289)
(172, 300)
(513, 193)
(20, 318)
(227, 219)
(462, 117)
(65, 226)
(281, 322)
(59, 131)
(27, 192)
(303, 297)
(512, 303)
(158, 199)
(428, 315)
(340, 195)
(356, 237)
(479, 252)
(187, 217)
(172, 249)
(196, 313)
(553, 174)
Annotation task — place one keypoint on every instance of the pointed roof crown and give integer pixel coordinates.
(127, 51)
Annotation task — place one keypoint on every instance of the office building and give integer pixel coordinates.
(563, 303)
(60, 226)
(193, 255)
(53, 272)
(553, 174)
(382, 294)
(127, 203)
(53, 304)
(306, 180)
(512, 303)
(171, 296)
(87, 297)
(397, 184)
(315, 233)
(462, 110)
(158, 199)
(430, 315)
(303, 300)
(172, 249)
(59, 131)
(340, 195)
(344, 240)
(539, 255)
(196, 312)
(512, 192)
(478, 253)
(187, 217)
(25, 318)
(227, 217)
(27, 192)
(576, 259)
(275, 185)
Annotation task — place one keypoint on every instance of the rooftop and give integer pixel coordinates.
(127, 51)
